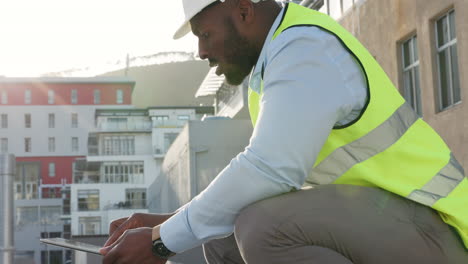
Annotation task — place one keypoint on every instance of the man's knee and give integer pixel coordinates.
(254, 229)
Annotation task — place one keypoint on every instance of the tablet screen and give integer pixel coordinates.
(61, 242)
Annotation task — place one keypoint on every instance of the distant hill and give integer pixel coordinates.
(168, 84)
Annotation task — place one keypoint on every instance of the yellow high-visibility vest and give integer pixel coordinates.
(388, 145)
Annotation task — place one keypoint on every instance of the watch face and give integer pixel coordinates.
(160, 250)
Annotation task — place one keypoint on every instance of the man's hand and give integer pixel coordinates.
(134, 246)
(119, 226)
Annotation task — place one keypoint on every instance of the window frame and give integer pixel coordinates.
(74, 120)
(27, 120)
(414, 65)
(75, 144)
(119, 96)
(27, 96)
(27, 144)
(51, 144)
(4, 120)
(50, 97)
(438, 50)
(4, 98)
(97, 96)
(74, 96)
(51, 120)
(4, 145)
(52, 168)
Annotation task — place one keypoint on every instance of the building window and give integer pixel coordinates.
(27, 120)
(97, 96)
(118, 145)
(27, 144)
(74, 96)
(89, 225)
(51, 256)
(74, 144)
(447, 61)
(51, 144)
(123, 172)
(411, 87)
(27, 96)
(27, 216)
(4, 121)
(74, 120)
(51, 169)
(51, 234)
(135, 198)
(26, 180)
(51, 120)
(120, 96)
(50, 96)
(50, 215)
(183, 117)
(4, 97)
(88, 200)
(4, 145)
(160, 120)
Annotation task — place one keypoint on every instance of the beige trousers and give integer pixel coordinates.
(339, 224)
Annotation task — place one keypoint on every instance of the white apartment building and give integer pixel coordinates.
(45, 123)
(125, 153)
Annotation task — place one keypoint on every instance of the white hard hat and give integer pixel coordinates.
(192, 8)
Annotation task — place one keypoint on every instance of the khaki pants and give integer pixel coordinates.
(338, 224)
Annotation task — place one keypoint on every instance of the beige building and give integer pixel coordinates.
(423, 47)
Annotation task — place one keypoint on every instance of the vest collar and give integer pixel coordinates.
(256, 76)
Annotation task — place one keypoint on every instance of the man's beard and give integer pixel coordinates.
(239, 55)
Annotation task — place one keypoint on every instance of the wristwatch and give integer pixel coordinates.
(160, 250)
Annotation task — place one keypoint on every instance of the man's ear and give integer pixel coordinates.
(246, 11)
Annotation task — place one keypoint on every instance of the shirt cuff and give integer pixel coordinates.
(176, 235)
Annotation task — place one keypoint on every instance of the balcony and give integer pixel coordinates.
(143, 126)
(169, 123)
(125, 205)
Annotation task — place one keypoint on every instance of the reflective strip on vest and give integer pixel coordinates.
(362, 149)
(377, 141)
(441, 185)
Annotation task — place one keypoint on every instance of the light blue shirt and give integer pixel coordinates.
(311, 83)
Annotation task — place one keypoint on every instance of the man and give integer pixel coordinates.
(387, 188)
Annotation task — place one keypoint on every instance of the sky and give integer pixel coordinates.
(41, 36)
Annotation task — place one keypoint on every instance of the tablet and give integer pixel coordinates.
(66, 243)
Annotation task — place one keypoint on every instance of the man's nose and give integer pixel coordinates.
(202, 51)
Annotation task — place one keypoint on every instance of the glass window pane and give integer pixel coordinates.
(406, 54)
(455, 77)
(453, 34)
(442, 31)
(417, 93)
(408, 87)
(443, 77)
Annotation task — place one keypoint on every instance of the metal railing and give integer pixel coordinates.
(124, 127)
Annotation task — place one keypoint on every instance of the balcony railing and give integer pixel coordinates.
(125, 127)
(169, 123)
(131, 204)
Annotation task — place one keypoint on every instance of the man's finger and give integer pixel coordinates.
(106, 249)
(115, 224)
(117, 233)
(111, 256)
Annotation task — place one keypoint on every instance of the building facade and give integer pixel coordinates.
(45, 123)
(126, 150)
(423, 47)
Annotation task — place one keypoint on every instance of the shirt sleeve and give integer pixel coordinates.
(311, 83)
